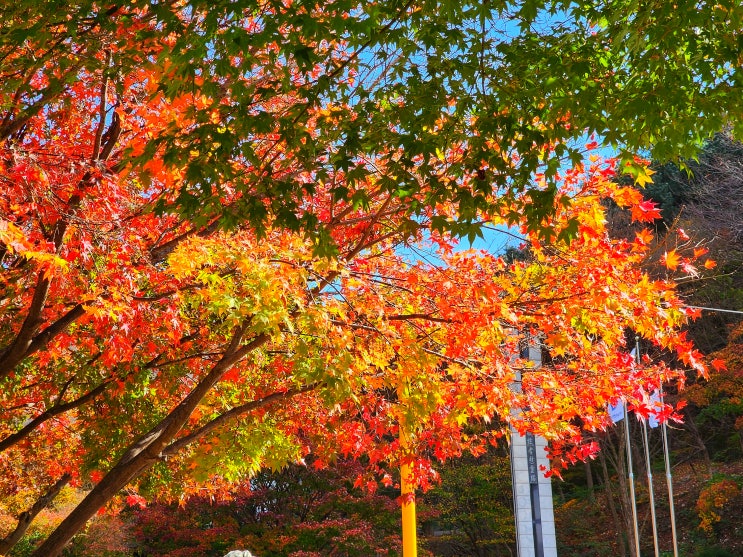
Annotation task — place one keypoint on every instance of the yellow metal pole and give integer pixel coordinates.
(409, 533)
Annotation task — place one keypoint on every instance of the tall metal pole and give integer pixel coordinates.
(407, 490)
(409, 534)
(651, 495)
(669, 481)
(646, 445)
(630, 471)
(631, 476)
(536, 504)
(532, 493)
(533, 470)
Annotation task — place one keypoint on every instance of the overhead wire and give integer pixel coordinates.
(716, 309)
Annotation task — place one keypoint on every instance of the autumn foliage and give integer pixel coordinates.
(713, 500)
(300, 511)
(150, 353)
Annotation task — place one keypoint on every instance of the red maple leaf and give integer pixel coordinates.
(647, 211)
(136, 500)
(719, 364)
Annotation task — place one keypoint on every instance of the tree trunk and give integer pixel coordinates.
(615, 447)
(589, 480)
(144, 452)
(621, 539)
(692, 427)
(27, 517)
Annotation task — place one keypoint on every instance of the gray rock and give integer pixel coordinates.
(239, 553)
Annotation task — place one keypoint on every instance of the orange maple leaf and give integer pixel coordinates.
(626, 197)
(644, 237)
(136, 500)
(671, 259)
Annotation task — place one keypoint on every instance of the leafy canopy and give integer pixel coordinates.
(280, 97)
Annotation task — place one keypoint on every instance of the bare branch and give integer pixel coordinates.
(101, 109)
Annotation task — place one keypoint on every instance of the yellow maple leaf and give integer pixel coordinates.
(644, 176)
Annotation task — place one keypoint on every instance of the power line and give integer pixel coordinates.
(716, 309)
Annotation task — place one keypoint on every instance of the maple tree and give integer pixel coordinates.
(149, 349)
(177, 371)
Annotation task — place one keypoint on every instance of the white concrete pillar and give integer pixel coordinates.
(532, 492)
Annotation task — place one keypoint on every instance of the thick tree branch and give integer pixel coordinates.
(41, 340)
(143, 453)
(201, 355)
(16, 352)
(48, 414)
(25, 343)
(101, 110)
(161, 252)
(423, 316)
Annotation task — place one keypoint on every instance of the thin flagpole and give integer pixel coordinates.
(646, 445)
(669, 480)
(651, 495)
(631, 476)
